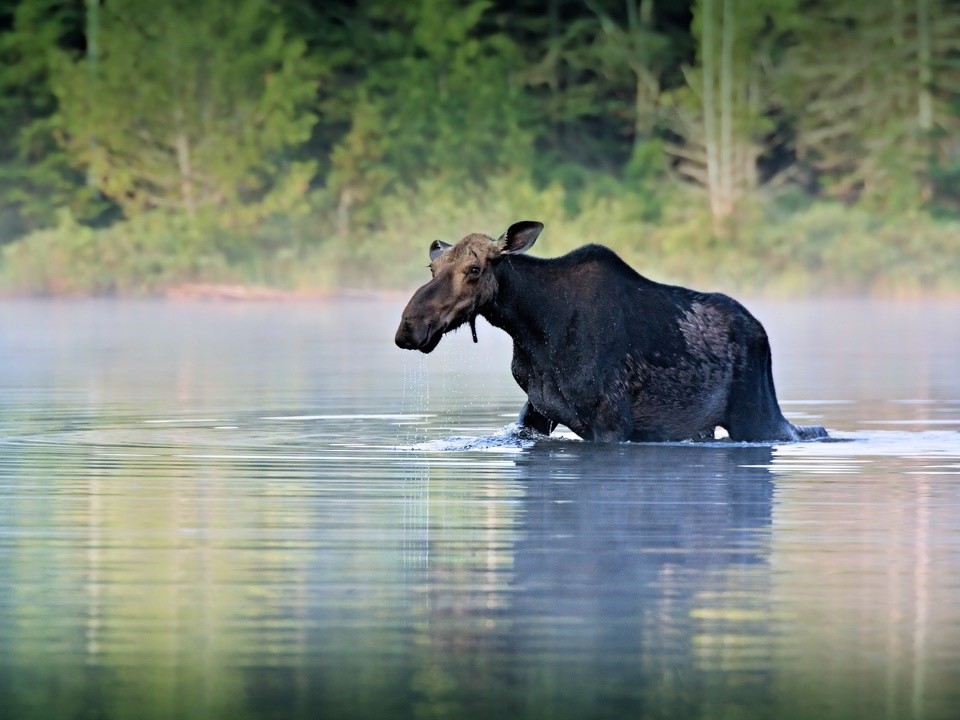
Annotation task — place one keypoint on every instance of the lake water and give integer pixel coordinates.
(269, 511)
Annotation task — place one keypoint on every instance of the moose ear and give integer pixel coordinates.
(519, 237)
(438, 248)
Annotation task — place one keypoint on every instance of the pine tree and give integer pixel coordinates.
(36, 176)
(196, 107)
(874, 90)
(722, 114)
(433, 97)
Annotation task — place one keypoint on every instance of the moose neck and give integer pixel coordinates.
(525, 296)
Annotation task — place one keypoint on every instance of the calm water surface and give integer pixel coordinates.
(269, 511)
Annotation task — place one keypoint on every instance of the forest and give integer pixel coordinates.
(780, 146)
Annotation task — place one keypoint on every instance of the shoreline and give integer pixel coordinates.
(254, 293)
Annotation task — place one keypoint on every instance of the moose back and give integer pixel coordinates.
(600, 348)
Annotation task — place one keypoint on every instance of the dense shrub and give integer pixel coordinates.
(135, 257)
(818, 247)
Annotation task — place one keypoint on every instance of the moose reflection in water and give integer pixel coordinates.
(647, 559)
(601, 349)
(615, 577)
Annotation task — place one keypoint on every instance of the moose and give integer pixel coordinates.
(601, 349)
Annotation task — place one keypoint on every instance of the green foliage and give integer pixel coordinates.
(36, 176)
(322, 144)
(779, 249)
(448, 103)
(725, 110)
(143, 255)
(435, 100)
(873, 88)
(191, 106)
(830, 246)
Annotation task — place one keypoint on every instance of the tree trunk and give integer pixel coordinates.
(925, 96)
(727, 101)
(646, 13)
(631, 15)
(182, 145)
(646, 82)
(708, 53)
(749, 174)
(898, 22)
(186, 180)
(553, 28)
(93, 56)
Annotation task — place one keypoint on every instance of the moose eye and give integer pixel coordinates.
(474, 271)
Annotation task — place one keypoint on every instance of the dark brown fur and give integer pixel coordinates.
(601, 349)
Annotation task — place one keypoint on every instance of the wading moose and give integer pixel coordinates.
(601, 349)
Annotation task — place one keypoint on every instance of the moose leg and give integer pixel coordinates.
(530, 418)
(753, 413)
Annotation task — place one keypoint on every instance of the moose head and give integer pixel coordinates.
(464, 282)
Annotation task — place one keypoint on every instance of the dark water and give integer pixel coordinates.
(269, 511)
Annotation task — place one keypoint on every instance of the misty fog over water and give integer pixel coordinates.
(268, 510)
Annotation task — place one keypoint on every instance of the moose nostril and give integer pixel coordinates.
(404, 337)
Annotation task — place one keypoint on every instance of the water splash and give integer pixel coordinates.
(414, 397)
(510, 438)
